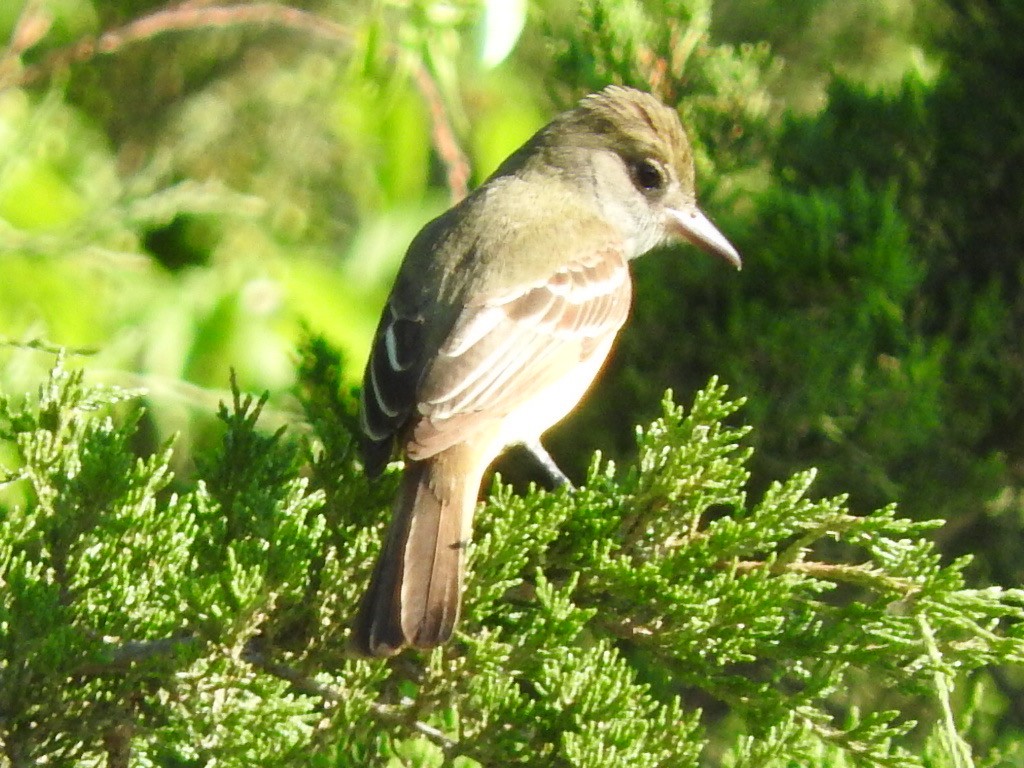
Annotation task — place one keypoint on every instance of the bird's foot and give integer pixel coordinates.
(556, 476)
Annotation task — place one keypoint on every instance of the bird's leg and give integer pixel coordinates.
(556, 476)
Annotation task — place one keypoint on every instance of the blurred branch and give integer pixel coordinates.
(444, 137)
(42, 345)
(197, 15)
(117, 740)
(182, 18)
(32, 25)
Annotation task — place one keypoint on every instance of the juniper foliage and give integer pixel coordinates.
(656, 616)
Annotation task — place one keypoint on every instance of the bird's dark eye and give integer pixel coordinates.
(648, 176)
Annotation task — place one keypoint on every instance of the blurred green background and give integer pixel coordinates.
(194, 200)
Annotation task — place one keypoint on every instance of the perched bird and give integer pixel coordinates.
(501, 315)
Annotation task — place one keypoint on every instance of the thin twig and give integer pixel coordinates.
(131, 652)
(299, 682)
(445, 143)
(181, 18)
(308, 686)
(957, 749)
(389, 714)
(850, 574)
(32, 25)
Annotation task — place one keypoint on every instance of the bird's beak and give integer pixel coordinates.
(693, 226)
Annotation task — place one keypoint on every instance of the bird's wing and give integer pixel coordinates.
(390, 382)
(505, 350)
(499, 352)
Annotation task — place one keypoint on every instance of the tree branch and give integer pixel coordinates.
(859, 575)
(181, 18)
(133, 652)
(445, 143)
(192, 16)
(308, 686)
(117, 741)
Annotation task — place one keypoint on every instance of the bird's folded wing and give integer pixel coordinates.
(505, 350)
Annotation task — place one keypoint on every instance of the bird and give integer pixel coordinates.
(502, 313)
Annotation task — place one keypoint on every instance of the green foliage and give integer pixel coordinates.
(875, 324)
(876, 44)
(185, 201)
(208, 624)
(720, 88)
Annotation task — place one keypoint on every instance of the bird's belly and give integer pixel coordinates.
(533, 417)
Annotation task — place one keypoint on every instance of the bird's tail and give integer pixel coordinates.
(416, 588)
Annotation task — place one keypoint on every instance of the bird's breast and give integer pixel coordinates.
(536, 415)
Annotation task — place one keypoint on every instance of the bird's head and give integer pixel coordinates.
(633, 152)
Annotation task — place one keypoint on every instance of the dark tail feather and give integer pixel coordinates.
(416, 588)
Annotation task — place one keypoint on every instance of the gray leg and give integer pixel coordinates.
(557, 477)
